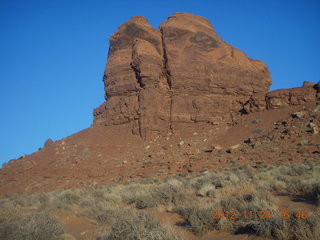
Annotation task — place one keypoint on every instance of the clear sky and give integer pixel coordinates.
(53, 54)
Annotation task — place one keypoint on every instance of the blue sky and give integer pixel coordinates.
(53, 54)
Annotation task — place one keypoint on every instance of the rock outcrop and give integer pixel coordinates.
(282, 98)
(159, 81)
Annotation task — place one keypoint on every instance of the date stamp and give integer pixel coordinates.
(249, 215)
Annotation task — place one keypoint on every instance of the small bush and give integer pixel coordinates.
(69, 197)
(207, 190)
(292, 228)
(108, 216)
(163, 194)
(138, 225)
(168, 194)
(198, 220)
(38, 226)
(315, 193)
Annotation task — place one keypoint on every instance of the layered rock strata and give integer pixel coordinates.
(283, 98)
(159, 81)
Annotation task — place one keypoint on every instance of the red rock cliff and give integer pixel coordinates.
(159, 81)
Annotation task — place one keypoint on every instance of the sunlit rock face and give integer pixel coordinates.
(160, 81)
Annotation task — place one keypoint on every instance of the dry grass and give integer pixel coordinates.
(193, 197)
(131, 224)
(33, 226)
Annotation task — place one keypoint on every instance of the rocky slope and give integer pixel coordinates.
(178, 100)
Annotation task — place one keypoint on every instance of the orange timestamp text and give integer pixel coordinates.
(235, 215)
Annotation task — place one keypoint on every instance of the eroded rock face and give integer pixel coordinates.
(156, 81)
(282, 98)
(136, 87)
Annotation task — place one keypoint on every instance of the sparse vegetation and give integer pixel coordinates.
(287, 229)
(131, 224)
(126, 209)
(34, 226)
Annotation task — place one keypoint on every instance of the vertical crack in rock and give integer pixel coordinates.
(139, 119)
(137, 71)
(137, 74)
(167, 74)
(135, 66)
(165, 61)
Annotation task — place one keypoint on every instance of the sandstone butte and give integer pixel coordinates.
(166, 80)
(180, 79)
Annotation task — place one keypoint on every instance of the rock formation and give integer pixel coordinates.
(283, 98)
(160, 81)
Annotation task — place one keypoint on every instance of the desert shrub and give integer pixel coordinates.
(41, 226)
(8, 230)
(138, 225)
(60, 201)
(207, 178)
(24, 200)
(292, 228)
(91, 209)
(176, 181)
(43, 198)
(235, 190)
(162, 194)
(100, 194)
(145, 201)
(246, 227)
(303, 229)
(69, 197)
(107, 216)
(299, 169)
(247, 171)
(274, 227)
(312, 191)
(113, 198)
(233, 178)
(207, 190)
(276, 185)
(294, 170)
(315, 193)
(294, 185)
(255, 201)
(168, 194)
(198, 219)
(142, 181)
(130, 191)
(309, 187)
(35, 226)
(5, 203)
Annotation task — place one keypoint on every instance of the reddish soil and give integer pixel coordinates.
(90, 158)
(80, 228)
